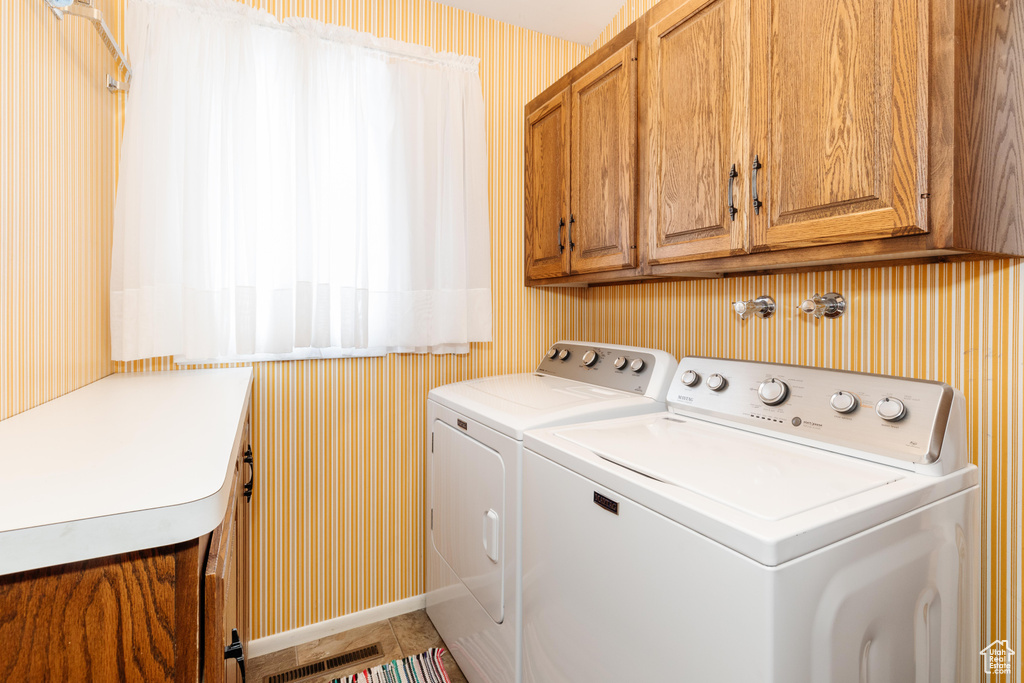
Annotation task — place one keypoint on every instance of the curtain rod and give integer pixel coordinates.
(84, 9)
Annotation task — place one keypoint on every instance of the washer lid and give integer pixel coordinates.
(766, 478)
(510, 404)
(766, 498)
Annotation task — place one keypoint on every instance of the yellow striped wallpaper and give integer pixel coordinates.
(338, 521)
(58, 160)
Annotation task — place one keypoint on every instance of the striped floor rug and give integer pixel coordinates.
(422, 668)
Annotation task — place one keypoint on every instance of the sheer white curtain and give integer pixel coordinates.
(295, 190)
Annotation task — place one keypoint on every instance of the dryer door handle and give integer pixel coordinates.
(491, 535)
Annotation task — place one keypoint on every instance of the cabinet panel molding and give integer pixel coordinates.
(696, 129)
(547, 189)
(842, 120)
(602, 203)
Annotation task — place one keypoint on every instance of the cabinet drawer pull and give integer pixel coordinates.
(561, 224)
(732, 205)
(247, 489)
(757, 202)
(234, 651)
(572, 219)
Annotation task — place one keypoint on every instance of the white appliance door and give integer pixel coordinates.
(615, 592)
(468, 480)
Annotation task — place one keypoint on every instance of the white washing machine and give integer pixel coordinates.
(778, 524)
(474, 472)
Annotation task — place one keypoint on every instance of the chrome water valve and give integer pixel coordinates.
(763, 307)
(831, 305)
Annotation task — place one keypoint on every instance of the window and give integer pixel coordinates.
(295, 189)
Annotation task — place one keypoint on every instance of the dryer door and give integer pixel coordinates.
(468, 480)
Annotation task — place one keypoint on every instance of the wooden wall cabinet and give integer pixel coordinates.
(777, 125)
(695, 89)
(841, 123)
(580, 180)
(802, 134)
(135, 616)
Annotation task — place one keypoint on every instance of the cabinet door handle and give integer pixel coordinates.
(732, 205)
(247, 489)
(572, 220)
(561, 224)
(757, 202)
(234, 651)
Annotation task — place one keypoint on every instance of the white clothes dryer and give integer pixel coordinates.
(474, 472)
(777, 524)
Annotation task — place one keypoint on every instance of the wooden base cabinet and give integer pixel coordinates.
(800, 134)
(135, 616)
(226, 582)
(580, 179)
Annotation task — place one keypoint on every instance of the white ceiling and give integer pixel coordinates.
(580, 21)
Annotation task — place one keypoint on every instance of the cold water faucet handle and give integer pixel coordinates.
(831, 305)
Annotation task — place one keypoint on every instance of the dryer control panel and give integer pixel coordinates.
(646, 372)
(910, 423)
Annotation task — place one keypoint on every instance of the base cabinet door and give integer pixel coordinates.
(225, 585)
(696, 98)
(840, 89)
(603, 213)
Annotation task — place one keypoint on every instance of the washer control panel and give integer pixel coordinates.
(616, 367)
(893, 417)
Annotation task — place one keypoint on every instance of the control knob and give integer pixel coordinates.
(620, 362)
(637, 365)
(891, 409)
(715, 382)
(552, 353)
(589, 358)
(563, 354)
(843, 402)
(690, 378)
(773, 391)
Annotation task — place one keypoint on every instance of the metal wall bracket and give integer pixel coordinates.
(85, 10)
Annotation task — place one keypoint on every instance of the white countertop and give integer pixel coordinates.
(133, 461)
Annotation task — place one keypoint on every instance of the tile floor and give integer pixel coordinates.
(401, 636)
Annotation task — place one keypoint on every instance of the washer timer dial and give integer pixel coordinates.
(843, 402)
(773, 391)
(891, 409)
(589, 358)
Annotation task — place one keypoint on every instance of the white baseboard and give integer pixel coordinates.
(306, 634)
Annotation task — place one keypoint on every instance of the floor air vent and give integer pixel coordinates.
(352, 656)
(344, 659)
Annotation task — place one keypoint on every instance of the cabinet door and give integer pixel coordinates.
(841, 127)
(603, 165)
(246, 480)
(221, 600)
(696, 97)
(547, 189)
